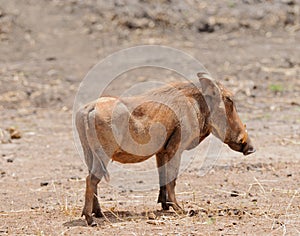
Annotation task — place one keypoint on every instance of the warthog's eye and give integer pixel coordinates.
(244, 138)
(241, 141)
(228, 99)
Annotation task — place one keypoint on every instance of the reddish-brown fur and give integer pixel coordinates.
(95, 121)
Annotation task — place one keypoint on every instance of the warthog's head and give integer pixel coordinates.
(225, 122)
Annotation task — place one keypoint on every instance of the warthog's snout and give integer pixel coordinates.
(248, 150)
(245, 147)
(248, 147)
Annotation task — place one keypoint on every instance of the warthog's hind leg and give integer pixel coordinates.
(96, 207)
(91, 188)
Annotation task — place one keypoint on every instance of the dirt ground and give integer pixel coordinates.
(48, 46)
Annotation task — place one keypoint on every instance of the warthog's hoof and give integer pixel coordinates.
(177, 208)
(93, 224)
(89, 219)
(165, 206)
(98, 213)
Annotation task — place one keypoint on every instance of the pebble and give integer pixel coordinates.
(44, 184)
(151, 216)
(234, 193)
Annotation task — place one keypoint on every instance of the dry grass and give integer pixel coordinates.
(261, 203)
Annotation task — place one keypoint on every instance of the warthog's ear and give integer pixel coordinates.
(209, 87)
(210, 90)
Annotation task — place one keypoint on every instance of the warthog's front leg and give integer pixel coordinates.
(168, 172)
(172, 170)
(91, 189)
(162, 197)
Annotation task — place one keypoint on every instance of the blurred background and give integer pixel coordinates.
(48, 46)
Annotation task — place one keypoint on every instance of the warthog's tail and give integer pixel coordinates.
(95, 158)
(100, 157)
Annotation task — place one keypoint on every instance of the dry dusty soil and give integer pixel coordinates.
(48, 46)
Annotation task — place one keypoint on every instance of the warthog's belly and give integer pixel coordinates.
(127, 158)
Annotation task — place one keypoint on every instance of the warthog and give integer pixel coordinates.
(162, 122)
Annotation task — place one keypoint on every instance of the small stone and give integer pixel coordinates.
(236, 211)
(151, 216)
(14, 132)
(50, 58)
(44, 184)
(155, 222)
(295, 104)
(192, 213)
(74, 178)
(10, 160)
(234, 193)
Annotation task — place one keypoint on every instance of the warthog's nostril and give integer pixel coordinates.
(249, 150)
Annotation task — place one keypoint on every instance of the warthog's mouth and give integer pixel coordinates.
(249, 150)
